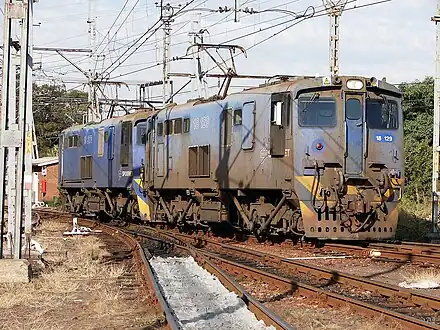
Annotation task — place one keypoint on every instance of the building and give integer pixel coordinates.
(45, 179)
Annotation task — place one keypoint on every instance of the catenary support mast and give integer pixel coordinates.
(334, 11)
(436, 134)
(16, 136)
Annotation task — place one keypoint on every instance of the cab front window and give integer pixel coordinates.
(382, 114)
(317, 111)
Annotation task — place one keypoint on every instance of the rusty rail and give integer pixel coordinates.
(401, 253)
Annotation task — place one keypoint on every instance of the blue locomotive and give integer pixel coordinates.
(315, 157)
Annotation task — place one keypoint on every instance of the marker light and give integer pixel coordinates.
(355, 84)
(319, 146)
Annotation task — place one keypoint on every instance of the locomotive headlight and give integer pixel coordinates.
(355, 84)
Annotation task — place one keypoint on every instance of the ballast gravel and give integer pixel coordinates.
(198, 298)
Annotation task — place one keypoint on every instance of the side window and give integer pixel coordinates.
(276, 113)
(178, 126)
(186, 125)
(159, 130)
(101, 138)
(237, 117)
(248, 124)
(227, 127)
(141, 133)
(72, 141)
(126, 136)
(168, 127)
(279, 121)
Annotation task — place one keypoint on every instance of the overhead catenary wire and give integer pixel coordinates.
(114, 22)
(153, 29)
(236, 38)
(224, 19)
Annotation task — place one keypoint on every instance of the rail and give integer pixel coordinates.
(260, 311)
(403, 253)
(411, 298)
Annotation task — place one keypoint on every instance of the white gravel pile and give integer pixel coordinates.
(199, 300)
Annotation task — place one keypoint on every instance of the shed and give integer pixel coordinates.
(45, 179)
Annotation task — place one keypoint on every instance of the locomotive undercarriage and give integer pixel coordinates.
(105, 204)
(263, 213)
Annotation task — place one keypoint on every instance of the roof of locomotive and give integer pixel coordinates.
(134, 117)
(292, 84)
(302, 82)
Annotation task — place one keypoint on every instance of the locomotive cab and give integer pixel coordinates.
(349, 165)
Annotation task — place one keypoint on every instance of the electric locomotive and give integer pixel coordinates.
(100, 166)
(307, 156)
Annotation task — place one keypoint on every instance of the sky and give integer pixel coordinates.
(395, 40)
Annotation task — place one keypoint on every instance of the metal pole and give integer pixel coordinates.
(195, 27)
(436, 133)
(236, 11)
(166, 13)
(29, 127)
(24, 180)
(4, 112)
(93, 113)
(12, 153)
(334, 11)
(334, 45)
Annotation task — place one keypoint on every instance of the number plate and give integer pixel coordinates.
(384, 138)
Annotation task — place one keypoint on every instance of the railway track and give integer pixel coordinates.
(141, 250)
(411, 309)
(404, 252)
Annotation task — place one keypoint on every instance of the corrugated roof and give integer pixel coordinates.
(45, 161)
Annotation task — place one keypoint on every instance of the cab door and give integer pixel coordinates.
(354, 134)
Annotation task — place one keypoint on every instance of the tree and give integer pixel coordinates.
(55, 109)
(418, 105)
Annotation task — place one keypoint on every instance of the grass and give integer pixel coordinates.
(78, 288)
(414, 221)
